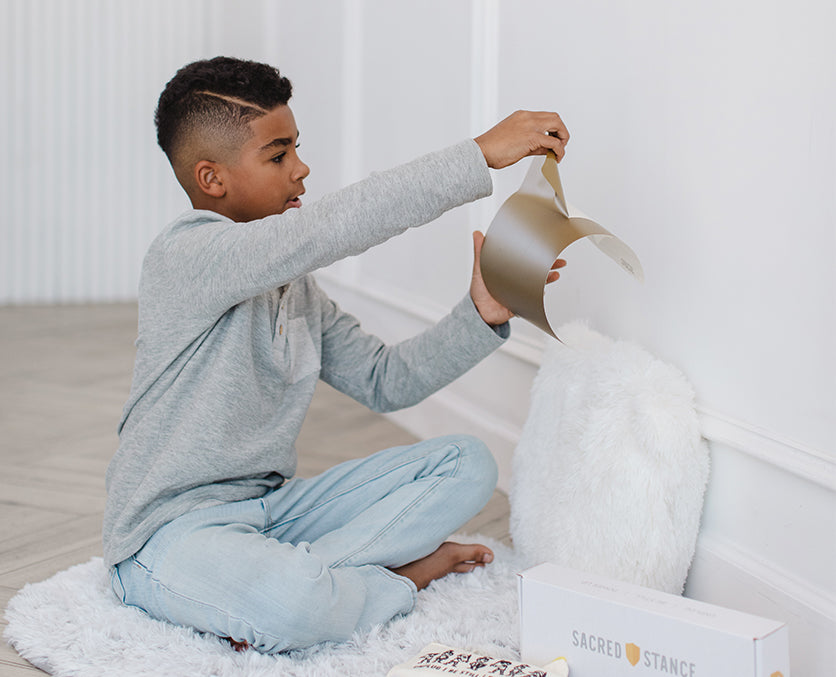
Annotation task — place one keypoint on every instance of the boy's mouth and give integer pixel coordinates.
(293, 203)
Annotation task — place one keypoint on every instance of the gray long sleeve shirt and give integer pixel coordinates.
(234, 334)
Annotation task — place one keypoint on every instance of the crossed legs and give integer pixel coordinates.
(320, 558)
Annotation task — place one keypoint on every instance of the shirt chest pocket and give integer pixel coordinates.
(294, 352)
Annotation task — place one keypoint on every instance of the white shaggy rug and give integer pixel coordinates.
(609, 477)
(72, 625)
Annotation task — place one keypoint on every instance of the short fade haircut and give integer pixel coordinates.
(221, 95)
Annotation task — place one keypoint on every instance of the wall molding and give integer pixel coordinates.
(352, 149)
(484, 86)
(769, 576)
(484, 64)
(786, 455)
(725, 574)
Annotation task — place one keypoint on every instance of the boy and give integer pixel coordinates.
(205, 524)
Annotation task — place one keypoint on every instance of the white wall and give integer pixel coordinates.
(83, 186)
(704, 135)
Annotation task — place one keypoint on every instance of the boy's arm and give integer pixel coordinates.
(389, 377)
(217, 263)
(206, 263)
(392, 377)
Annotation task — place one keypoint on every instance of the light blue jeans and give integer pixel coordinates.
(310, 561)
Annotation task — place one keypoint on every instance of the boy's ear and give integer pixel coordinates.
(208, 178)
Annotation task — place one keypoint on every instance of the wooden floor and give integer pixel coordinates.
(65, 373)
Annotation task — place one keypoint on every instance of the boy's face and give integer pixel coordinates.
(266, 177)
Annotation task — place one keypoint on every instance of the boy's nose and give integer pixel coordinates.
(302, 170)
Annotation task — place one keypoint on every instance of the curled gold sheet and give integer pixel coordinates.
(530, 231)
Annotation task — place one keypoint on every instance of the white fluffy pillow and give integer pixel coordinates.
(610, 470)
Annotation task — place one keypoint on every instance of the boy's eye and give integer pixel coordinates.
(278, 158)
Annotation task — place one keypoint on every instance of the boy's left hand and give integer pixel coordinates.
(491, 310)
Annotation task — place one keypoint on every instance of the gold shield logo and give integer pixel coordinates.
(633, 653)
(777, 674)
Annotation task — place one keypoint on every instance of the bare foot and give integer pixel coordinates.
(449, 558)
(238, 646)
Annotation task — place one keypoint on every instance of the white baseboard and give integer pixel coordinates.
(723, 573)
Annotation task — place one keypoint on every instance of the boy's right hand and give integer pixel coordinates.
(522, 134)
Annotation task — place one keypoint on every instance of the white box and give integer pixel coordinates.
(606, 628)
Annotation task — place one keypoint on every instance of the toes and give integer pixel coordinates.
(464, 567)
(479, 553)
(473, 554)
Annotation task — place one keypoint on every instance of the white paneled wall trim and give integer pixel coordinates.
(771, 577)
(723, 573)
(787, 455)
(484, 83)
